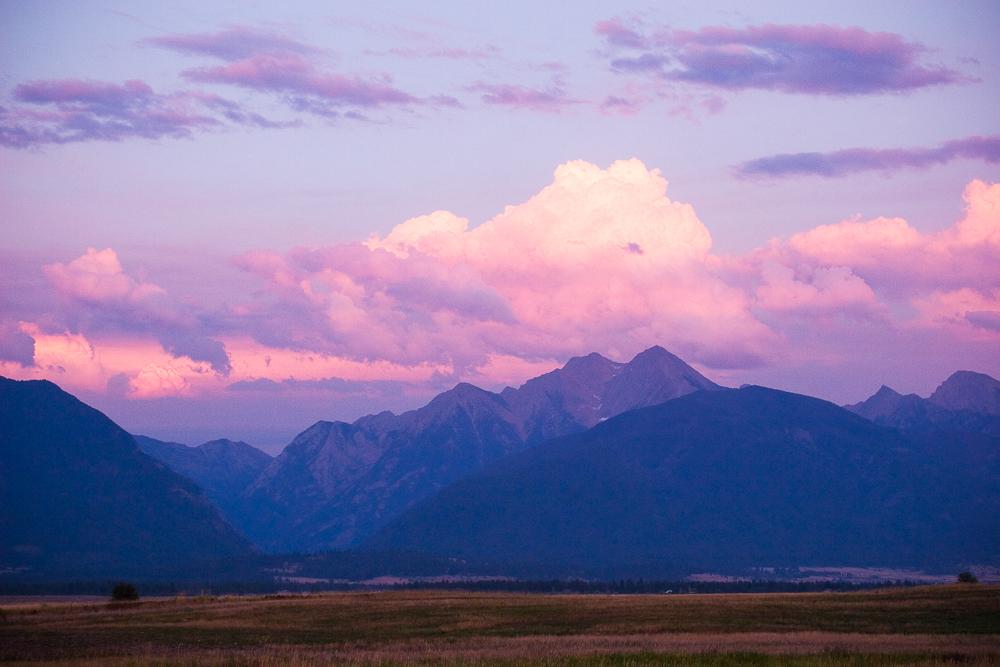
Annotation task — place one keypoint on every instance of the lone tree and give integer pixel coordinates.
(967, 578)
(124, 591)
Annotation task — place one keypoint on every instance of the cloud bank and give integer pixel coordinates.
(98, 295)
(601, 259)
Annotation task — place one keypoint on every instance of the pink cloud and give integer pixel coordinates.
(270, 62)
(601, 259)
(97, 276)
(965, 312)
(614, 104)
(617, 33)
(98, 290)
(893, 256)
(58, 355)
(868, 294)
(155, 381)
(231, 44)
(295, 75)
(120, 365)
(369, 304)
(823, 290)
(637, 94)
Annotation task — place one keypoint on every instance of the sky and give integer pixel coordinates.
(234, 219)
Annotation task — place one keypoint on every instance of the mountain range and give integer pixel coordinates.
(596, 468)
(966, 401)
(337, 483)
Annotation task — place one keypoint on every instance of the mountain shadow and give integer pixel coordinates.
(724, 479)
(78, 498)
(223, 469)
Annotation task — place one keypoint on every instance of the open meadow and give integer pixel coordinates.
(897, 626)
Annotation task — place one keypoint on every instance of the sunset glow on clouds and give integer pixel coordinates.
(600, 259)
(247, 219)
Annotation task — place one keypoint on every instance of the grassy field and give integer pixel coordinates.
(902, 626)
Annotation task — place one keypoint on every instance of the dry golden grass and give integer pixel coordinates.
(928, 625)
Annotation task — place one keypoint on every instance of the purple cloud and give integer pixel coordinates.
(984, 319)
(15, 345)
(73, 110)
(855, 160)
(232, 44)
(91, 94)
(646, 62)
(197, 347)
(552, 99)
(294, 75)
(234, 113)
(97, 295)
(819, 59)
(269, 62)
(396, 308)
(614, 104)
(486, 53)
(618, 34)
(468, 301)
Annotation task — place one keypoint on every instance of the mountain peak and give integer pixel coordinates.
(589, 361)
(467, 390)
(462, 394)
(653, 376)
(968, 390)
(886, 401)
(220, 444)
(236, 452)
(662, 362)
(655, 352)
(659, 360)
(969, 377)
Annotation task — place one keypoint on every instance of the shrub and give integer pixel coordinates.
(967, 578)
(124, 591)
